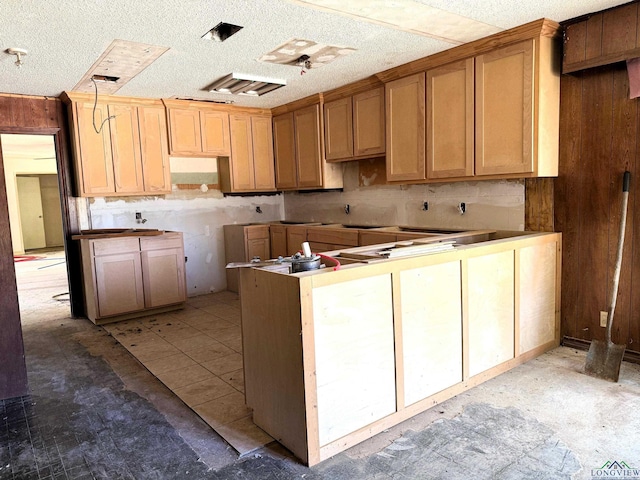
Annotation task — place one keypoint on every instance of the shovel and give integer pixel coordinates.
(604, 358)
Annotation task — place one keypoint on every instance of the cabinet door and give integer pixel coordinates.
(185, 134)
(262, 136)
(295, 237)
(242, 172)
(94, 149)
(450, 120)
(119, 283)
(278, 237)
(215, 133)
(338, 129)
(258, 247)
(504, 110)
(308, 146)
(164, 277)
(368, 123)
(285, 151)
(154, 148)
(405, 115)
(125, 148)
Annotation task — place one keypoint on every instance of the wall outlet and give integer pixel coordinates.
(603, 319)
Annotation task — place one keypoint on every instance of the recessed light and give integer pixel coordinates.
(242, 84)
(221, 32)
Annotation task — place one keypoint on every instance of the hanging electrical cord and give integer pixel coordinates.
(95, 105)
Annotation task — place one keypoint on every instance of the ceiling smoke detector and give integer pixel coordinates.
(241, 84)
(221, 32)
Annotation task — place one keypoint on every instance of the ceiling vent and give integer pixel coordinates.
(241, 84)
(221, 32)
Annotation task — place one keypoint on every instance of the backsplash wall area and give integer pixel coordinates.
(201, 215)
(198, 215)
(497, 204)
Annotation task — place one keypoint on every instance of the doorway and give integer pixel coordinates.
(35, 219)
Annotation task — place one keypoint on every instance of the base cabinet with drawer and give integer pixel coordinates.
(242, 243)
(126, 277)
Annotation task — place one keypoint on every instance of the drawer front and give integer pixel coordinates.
(168, 240)
(111, 246)
(253, 232)
(334, 236)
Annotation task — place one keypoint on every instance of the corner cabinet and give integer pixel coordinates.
(250, 168)
(242, 243)
(299, 153)
(120, 147)
(127, 277)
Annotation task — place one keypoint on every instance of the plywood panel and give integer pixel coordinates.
(537, 296)
(431, 329)
(619, 29)
(490, 293)
(353, 328)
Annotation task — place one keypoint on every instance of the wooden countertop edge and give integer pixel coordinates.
(107, 234)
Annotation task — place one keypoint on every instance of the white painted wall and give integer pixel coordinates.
(497, 204)
(17, 166)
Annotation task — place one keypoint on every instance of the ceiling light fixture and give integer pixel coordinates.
(18, 52)
(241, 84)
(221, 32)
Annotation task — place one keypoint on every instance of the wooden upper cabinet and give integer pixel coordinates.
(215, 133)
(125, 149)
(405, 128)
(354, 126)
(450, 104)
(242, 172)
(338, 129)
(130, 154)
(154, 148)
(285, 151)
(505, 110)
(186, 137)
(263, 162)
(308, 147)
(198, 132)
(250, 167)
(93, 160)
(368, 123)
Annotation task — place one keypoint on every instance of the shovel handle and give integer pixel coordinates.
(625, 181)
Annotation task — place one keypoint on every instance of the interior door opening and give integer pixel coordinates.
(35, 218)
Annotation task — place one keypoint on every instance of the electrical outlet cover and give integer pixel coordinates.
(603, 319)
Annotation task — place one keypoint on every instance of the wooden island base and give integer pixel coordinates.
(332, 358)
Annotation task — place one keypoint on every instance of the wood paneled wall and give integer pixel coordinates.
(46, 116)
(599, 140)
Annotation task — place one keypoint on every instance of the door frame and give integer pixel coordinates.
(70, 223)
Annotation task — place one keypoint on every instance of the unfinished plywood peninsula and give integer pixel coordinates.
(333, 357)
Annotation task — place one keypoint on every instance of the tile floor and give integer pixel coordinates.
(197, 353)
(94, 412)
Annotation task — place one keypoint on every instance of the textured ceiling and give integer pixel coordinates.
(64, 38)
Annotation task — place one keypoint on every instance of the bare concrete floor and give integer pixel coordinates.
(108, 417)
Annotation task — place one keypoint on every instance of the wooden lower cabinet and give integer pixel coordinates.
(242, 243)
(126, 277)
(356, 351)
